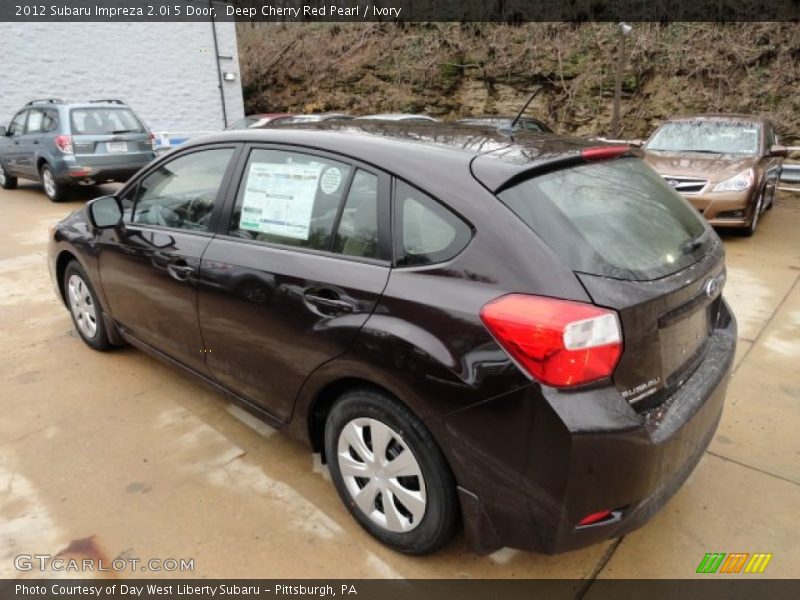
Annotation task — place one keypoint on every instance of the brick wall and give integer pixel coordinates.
(165, 71)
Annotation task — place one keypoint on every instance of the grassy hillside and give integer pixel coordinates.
(451, 70)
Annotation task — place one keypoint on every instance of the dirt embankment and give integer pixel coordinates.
(452, 70)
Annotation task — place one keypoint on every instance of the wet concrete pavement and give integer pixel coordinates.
(114, 455)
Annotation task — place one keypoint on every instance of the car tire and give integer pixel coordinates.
(424, 511)
(757, 210)
(55, 191)
(7, 182)
(771, 198)
(84, 308)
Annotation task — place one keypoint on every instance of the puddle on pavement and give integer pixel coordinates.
(25, 280)
(22, 262)
(202, 450)
(751, 300)
(26, 526)
(251, 421)
(38, 235)
(786, 340)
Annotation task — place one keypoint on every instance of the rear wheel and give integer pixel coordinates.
(55, 191)
(390, 473)
(7, 182)
(84, 308)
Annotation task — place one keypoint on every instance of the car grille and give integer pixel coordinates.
(686, 185)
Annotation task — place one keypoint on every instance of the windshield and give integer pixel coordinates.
(721, 137)
(614, 218)
(104, 121)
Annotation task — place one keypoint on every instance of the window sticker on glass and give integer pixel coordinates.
(279, 199)
(331, 180)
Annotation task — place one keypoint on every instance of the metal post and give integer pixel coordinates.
(618, 84)
(219, 69)
(624, 30)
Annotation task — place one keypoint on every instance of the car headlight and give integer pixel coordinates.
(737, 183)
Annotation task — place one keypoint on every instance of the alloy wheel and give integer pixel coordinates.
(82, 306)
(757, 213)
(382, 474)
(49, 183)
(2, 176)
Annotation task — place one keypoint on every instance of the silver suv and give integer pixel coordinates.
(66, 144)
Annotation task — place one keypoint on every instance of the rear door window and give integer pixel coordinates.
(426, 232)
(290, 198)
(357, 233)
(35, 119)
(104, 121)
(615, 218)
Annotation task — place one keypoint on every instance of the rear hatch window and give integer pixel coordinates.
(614, 218)
(104, 121)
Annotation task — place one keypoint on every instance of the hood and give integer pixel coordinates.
(714, 167)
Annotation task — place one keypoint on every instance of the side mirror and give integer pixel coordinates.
(778, 150)
(636, 143)
(3, 131)
(105, 212)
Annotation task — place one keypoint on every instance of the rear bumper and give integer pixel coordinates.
(560, 457)
(101, 168)
(725, 209)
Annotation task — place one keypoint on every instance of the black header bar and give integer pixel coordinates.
(409, 11)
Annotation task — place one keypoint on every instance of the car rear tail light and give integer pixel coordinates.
(560, 343)
(64, 143)
(604, 152)
(153, 144)
(595, 517)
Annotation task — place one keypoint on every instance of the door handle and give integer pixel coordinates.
(323, 299)
(180, 270)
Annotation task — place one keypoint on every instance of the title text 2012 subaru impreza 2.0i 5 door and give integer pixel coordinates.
(526, 335)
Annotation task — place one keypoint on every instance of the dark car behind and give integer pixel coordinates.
(531, 331)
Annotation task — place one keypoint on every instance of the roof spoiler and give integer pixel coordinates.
(580, 156)
(107, 101)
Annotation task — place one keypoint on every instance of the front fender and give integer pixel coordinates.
(74, 236)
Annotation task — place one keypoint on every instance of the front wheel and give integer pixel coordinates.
(56, 192)
(7, 182)
(772, 198)
(84, 308)
(757, 210)
(390, 473)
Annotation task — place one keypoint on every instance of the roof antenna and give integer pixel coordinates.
(524, 108)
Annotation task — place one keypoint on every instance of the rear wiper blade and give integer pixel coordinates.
(118, 131)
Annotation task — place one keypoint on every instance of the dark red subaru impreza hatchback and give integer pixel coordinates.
(522, 334)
